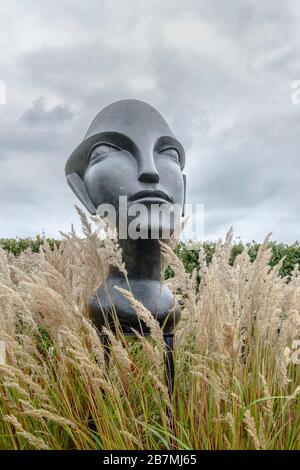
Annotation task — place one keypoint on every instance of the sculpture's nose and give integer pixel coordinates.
(148, 173)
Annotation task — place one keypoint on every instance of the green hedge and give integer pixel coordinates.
(17, 245)
(188, 255)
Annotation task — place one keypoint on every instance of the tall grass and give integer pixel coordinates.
(235, 385)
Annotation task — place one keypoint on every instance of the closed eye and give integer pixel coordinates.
(102, 150)
(171, 152)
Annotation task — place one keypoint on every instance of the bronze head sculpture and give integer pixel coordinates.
(129, 150)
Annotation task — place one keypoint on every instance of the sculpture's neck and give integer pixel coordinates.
(142, 259)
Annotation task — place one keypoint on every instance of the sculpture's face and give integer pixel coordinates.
(147, 178)
(139, 159)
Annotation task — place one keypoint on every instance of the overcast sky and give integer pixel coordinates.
(220, 72)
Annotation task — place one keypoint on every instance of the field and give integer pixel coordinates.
(237, 383)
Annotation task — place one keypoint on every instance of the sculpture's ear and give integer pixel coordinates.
(184, 193)
(78, 187)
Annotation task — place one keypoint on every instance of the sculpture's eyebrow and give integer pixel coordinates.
(117, 139)
(170, 141)
(125, 143)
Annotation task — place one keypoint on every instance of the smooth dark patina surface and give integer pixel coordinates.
(129, 150)
(143, 262)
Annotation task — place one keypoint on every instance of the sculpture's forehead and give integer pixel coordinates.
(137, 120)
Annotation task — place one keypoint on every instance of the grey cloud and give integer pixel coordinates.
(38, 114)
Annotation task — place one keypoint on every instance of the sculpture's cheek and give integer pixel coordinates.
(170, 178)
(106, 180)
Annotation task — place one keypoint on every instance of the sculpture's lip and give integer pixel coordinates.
(148, 195)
